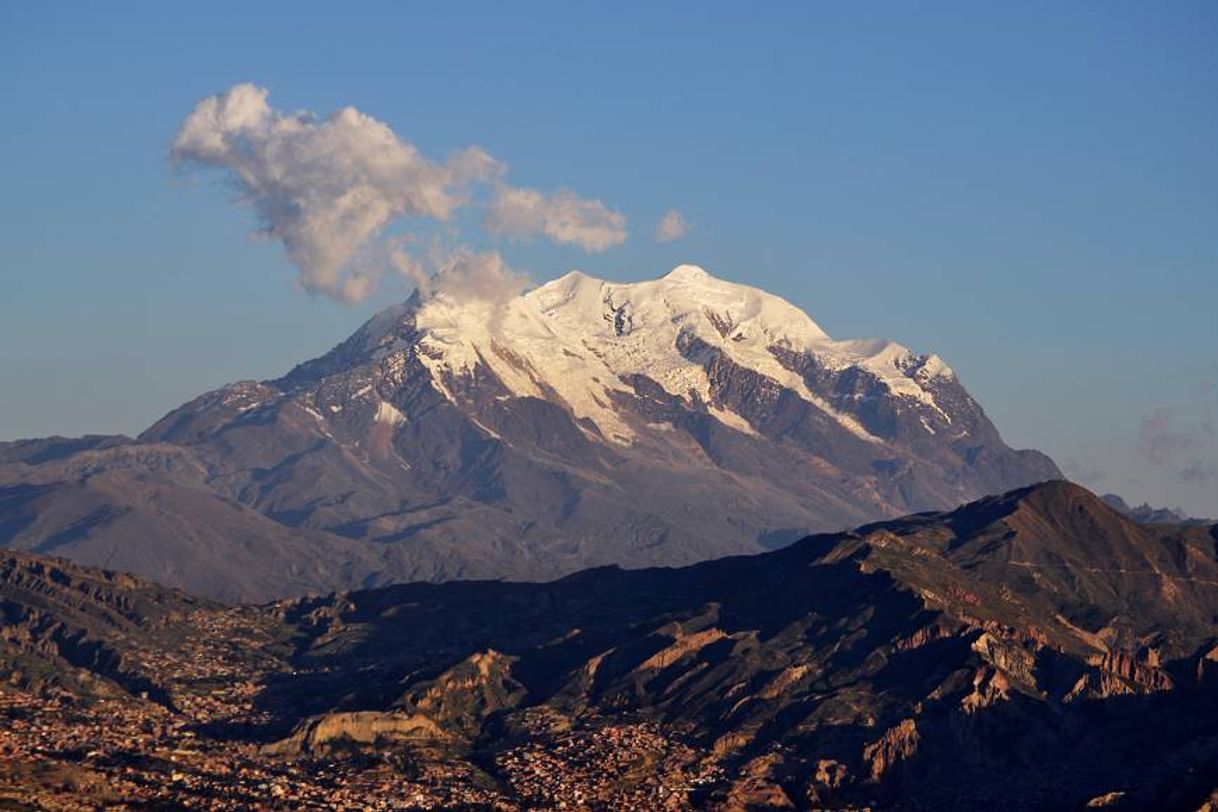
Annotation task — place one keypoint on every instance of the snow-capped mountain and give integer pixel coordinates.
(582, 423)
(583, 341)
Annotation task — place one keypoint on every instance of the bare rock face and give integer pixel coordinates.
(326, 734)
(1108, 799)
(830, 776)
(896, 745)
(1122, 672)
(1207, 667)
(755, 787)
(462, 698)
(1009, 658)
(584, 423)
(990, 685)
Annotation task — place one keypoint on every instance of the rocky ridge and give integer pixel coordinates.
(1035, 650)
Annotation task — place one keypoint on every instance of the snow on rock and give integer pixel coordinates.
(388, 414)
(577, 337)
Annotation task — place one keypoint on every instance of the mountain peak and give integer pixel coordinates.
(586, 421)
(583, 342)
(1051, 502)
(686, 273)
(585, 339)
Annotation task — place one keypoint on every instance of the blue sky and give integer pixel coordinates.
(1029, 190)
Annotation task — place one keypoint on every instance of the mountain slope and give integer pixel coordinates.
(1035, 650)
(1146, 514)
(584, 423)
(147, 508)
(63, 626)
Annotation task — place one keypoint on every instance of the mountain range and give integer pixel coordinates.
(583, 423)
(1034, 650)
(1148, 514)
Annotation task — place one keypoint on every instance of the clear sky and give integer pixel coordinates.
(1029, 190)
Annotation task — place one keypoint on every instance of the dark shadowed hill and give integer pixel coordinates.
(1036, 650)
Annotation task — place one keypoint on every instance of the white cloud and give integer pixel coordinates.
(460, 272)
(466, 274)
(328, 188)
(564, 217)
(322, 187)
(672, 226)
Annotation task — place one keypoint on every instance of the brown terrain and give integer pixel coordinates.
(1036, 650)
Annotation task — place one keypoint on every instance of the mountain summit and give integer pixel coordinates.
(582, 423)
(585, 342)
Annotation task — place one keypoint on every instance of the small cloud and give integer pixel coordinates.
(1158, 442)
(563, 217)
(1185, 453)
(322, 187)
(461, 272)
(1207, 387)
(672, 226)
(328, 188)
(1199, 473)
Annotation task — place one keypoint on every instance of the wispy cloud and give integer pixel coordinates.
(460, 272)
(564, 217)
(1198, 472)
(1190, 454)
(1158, 442)
(327, 188)
(672, 226)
